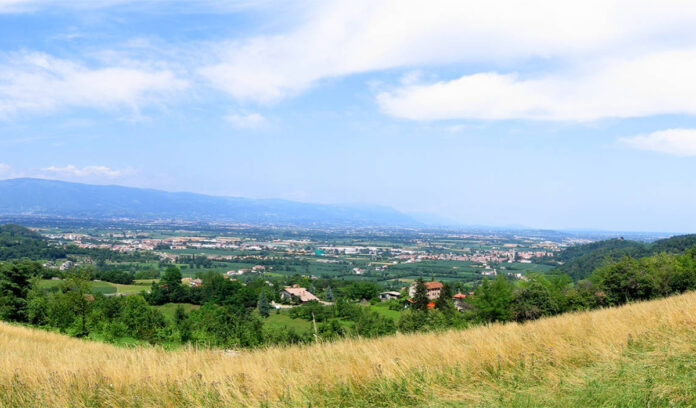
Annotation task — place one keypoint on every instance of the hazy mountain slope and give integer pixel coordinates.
(57, 198)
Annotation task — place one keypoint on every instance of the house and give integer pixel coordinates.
(384, 296)
(409, 302)
(193, 283)
(459, 301)
(296, 293)
(433, 289)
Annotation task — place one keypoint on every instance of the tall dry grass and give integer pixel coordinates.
(38, 368)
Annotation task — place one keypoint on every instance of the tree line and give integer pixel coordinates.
(232, 314)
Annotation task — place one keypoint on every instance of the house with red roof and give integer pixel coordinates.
(297, 293)
(433, 288)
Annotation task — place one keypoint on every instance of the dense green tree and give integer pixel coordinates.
(328, 295)
(626, 280)
(15, 280)
(263, 305)
(362, 290)
(77, 291)
(141, 320)
(534, 299)
(420, 297)
(494, 300)
(444, 302)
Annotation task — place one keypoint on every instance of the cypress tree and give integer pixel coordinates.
(263, 305)
(420, 298)
(328, 296)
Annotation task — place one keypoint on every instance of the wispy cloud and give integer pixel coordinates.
(677, 142)
(72, 171)
(40, 82)
(246, 120)
(22, 6)
(341, 38)
(6, 171)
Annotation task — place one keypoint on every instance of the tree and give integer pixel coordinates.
(494, 300)
(182, 323)
(77, 289)
(328, 295)
(420, 297)
(444, 301)
(626, 280)
(362, 290)
(171, 283)
(534, 299)
(312, 289)
(14, 286)
(263, 305)
(141, 320)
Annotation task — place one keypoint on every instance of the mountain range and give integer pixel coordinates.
(30, 196)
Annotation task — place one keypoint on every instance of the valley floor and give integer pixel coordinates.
(637, 355)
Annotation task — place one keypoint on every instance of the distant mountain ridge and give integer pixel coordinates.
(29, 196)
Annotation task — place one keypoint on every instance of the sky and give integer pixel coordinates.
(532, 113)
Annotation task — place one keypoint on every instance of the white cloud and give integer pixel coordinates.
(678, 142)
(246, 120)
(23, 6)
(660, 83)
(40, 82)
(345, 37)
(5, 170)
(72, 171)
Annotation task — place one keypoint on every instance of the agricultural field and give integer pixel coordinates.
(105, 288)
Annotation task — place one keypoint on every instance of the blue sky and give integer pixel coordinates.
(546, 114)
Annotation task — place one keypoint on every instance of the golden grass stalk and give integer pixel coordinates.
(48, 369)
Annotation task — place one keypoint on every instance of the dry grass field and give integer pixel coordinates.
(636, 355)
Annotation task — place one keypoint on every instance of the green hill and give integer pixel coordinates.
(17, 242)
(579, 261)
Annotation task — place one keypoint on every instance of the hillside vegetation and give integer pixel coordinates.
(640, 354)
(17, 242)
(580, 261)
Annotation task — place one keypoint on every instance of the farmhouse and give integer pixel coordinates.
(459, 301)
(384, 296)
(295, 292)
(194, 283)
(433, 289)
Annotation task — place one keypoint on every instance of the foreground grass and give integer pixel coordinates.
(637, 355)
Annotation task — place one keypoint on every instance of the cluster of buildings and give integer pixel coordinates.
(253, 269)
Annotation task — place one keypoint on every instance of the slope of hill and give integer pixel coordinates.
(579, 261)
(56, 198)
(18, 242)
(637, 355)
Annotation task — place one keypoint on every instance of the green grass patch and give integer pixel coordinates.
(276, 321)
(168, 309)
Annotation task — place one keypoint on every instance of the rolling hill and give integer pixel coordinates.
(27, 196)
(641, 354)
(579, 261)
